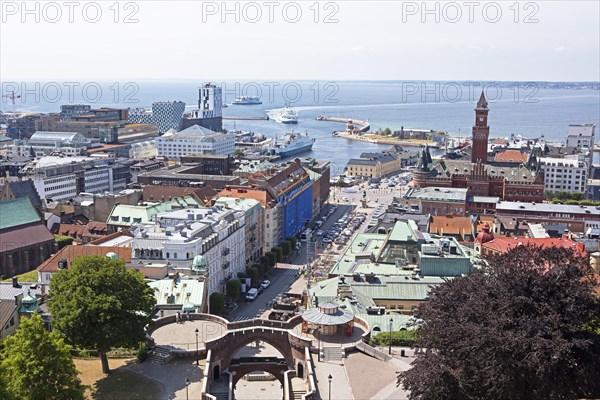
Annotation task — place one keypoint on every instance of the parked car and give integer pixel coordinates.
(251, 295)
(319, 233)
(326, 240)
(265, 284)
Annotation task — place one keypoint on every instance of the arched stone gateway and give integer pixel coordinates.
(219, 340)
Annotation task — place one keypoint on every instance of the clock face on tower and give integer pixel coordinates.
(480, 119)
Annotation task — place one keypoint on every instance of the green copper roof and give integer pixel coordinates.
(17, 212)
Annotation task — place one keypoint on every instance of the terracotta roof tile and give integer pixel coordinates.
(71, 252)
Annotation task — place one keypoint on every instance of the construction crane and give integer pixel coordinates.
(12, 98)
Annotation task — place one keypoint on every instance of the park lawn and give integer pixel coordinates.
(31, 276)
(119, 384)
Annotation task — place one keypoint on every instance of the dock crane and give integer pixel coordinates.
(12, 98)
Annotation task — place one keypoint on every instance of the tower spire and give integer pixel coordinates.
(482, 103)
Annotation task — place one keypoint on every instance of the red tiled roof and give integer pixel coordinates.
(451, 225)
(504, 244)
(512, 156)
(71, 252)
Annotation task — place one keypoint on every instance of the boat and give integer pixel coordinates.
(291, 143)
(288, 116)
(224, 105)
(246, 100)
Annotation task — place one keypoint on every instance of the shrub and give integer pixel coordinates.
(399, 338)
(142, 355)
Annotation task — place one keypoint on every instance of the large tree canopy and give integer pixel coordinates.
(99, 304)
(36, 364)
(521, 328)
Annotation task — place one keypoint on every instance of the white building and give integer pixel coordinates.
(178, 236)
(194, 140)
(43, 143)
(568, 174)
(255, 219)
(165, 114)
(581, 136)
(59, 178)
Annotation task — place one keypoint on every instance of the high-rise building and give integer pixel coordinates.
(209, 114)
(165, 114)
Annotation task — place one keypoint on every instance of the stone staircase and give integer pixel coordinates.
(297, 394)
(220, 395)
(333, 354)
(160, 355)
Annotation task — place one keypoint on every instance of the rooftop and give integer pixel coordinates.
(437, 194)
(71, 252)
(17, 212)
(178, 292)
(546, 208)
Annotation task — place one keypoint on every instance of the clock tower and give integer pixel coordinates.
(481, 131)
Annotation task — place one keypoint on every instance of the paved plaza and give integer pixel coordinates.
(183, 335)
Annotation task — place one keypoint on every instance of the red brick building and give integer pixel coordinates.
(521, 183)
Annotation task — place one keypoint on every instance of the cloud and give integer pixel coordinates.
(559, 49)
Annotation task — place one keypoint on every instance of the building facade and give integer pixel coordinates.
(568, 174)
(165, 114)
(178, 236)
(194, 140)
(60, 178)
(209, 114)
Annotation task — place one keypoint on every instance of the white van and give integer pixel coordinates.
(251, 295)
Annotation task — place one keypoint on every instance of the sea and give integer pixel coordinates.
(531, 110)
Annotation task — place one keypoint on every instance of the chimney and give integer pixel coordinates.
(15, 282)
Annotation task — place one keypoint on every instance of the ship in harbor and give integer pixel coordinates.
(291, 143)
(288, 116)
(246, 100)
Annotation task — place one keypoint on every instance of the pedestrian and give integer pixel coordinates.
(178, 318)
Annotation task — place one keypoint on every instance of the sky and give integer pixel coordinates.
(302, 40)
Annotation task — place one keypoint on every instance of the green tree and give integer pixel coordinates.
(99, 304)
(272, 259)
(293, 241)
(521, 328)
(62, 241)
(234, 289)
(386, 132)
(254, 273)
(278, 251)
(286, 248)
(264, 262)
(37, 364)
(238, 153)
(217, 303)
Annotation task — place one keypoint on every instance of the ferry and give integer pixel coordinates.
(291, 143)
(288, 116)
(246, 100)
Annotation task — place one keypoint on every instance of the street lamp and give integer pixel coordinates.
(197, 358)
(390, 347)
(330, 378)
(187, 386)
(319, 346)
